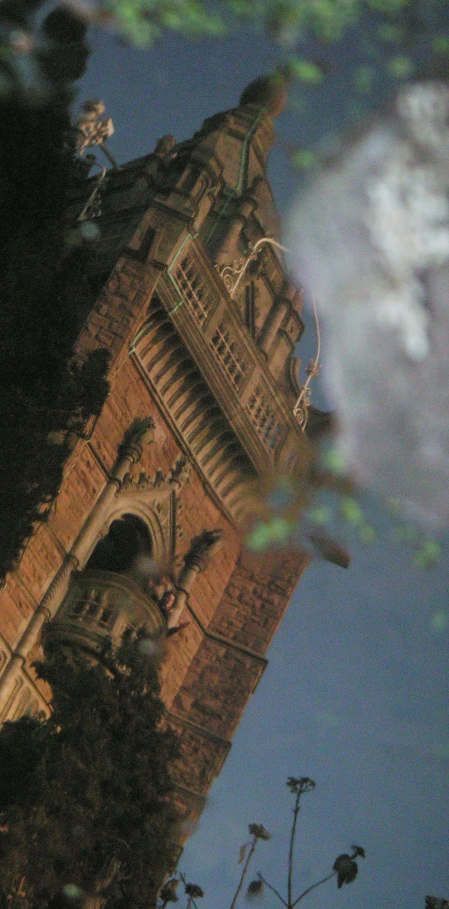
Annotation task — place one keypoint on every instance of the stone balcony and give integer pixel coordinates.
(101, 605)
(210, 324)
(208, 373)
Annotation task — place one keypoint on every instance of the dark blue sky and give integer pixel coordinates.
(355, 695)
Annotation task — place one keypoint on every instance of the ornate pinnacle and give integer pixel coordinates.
(140, 433)
(202, 548)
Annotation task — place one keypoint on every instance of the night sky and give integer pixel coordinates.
(355, 695)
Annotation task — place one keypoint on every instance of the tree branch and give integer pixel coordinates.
(296, 810)
(273, 889)
(243, 875)
(322, 881)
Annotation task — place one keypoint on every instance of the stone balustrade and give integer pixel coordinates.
(102, 605)
(246, 388)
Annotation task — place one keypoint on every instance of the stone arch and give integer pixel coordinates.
(155, 508)
(124, 548)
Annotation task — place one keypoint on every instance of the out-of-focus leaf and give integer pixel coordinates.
(351, 511)
(64, 26)
(306, 71)
(255, 889)
(428, 554)
(303, 159)
(440, 44)
(390, 33)
(363, 79)
(400, 67)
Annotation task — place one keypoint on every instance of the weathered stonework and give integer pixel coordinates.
(210, 374)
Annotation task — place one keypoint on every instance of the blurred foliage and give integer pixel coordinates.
(43, 50)
(300, 27)
(333, 514)
(85, 795)
(45, 398)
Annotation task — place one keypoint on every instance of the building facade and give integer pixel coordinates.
(192, 303)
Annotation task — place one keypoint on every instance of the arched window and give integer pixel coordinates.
(125, 549)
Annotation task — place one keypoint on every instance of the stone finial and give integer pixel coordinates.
(164, 145)
(269, 92)
(140, 433)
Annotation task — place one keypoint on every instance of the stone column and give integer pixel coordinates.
(228, 249)
(273, 323)
(197, 559)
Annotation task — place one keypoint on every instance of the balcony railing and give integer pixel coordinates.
(102, 605)
(211, 324)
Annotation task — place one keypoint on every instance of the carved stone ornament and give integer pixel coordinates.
(140, 433)
(177, 476)
(180, 472)
(202, 548)
(165, 145)
(231, 275)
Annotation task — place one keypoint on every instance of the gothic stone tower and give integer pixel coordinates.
(202, 389)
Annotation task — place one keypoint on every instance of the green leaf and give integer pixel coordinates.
(439, 621)
(390, 33)
(334, 460)
(368, 534)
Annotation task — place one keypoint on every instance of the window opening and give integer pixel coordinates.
(125, 549)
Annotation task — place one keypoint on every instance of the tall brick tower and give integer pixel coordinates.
(200, 322)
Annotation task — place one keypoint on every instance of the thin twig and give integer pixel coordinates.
(243, 875)
(296, 811)
(273, 889)
(322, 881)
